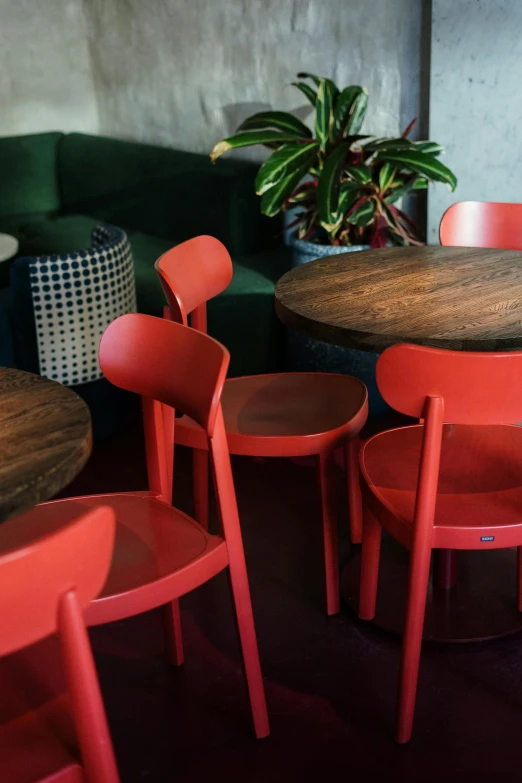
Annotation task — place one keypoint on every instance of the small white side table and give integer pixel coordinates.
(8, 246)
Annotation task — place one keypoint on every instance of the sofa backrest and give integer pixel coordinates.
(170, 194)
(29, 174)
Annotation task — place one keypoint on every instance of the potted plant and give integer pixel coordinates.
(344, 187)
(353, 181)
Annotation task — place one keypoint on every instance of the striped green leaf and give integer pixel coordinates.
(317, 80)
(360, 173)
(324, 111)
(305, 192)
(250, 138)
(306, 224)
(429, 147)
(386, 175)
(419, 183)
(350, 111)
(308, 91)
(363, 214)
(347, 198)
(282, 162)
(304, 196)
(275, 119)
(330, 184)
(272, 199)
(376, 145)
(421, 163)
(343, 106)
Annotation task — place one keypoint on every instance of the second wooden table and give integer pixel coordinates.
(456, 298)
(45, 439)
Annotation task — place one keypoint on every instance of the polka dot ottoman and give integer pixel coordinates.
(75, 297)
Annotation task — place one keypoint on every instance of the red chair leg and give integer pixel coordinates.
(326, 464)
(249, 650)
(371, 550)
(519, 577)
(84, 690)
(412, 640)
(351, 462)
(227, 507)
(173, 633)
(200, 486)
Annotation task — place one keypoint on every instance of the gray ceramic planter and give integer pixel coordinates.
(303, 353)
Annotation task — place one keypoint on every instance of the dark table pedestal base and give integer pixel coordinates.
(482, 604)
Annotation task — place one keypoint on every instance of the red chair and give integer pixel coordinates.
(441, 484)
(482, 224)
(52, 721)
(161, 553)
(282, 415)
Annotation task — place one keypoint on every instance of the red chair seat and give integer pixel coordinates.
(159, 553)
(286, 415)
(479, 489)
(37, 738)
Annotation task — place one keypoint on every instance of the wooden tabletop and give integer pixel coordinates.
(448, 297)
(45, 439)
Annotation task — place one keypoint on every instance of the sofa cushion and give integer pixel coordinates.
(242, 317)
(56, 235)
(14, 224)
(29, 174)
(166, 193)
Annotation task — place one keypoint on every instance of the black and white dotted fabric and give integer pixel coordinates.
(75, 298)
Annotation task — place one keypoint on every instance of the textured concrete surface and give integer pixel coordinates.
(45, 68)
(184, 73)
(474, 104)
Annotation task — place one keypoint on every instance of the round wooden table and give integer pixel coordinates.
(45, 439)
(458, 298)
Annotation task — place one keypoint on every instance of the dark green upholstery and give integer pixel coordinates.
(166, 193)
(28, 165)
(56, 235)
(160, 197)
(243, 317)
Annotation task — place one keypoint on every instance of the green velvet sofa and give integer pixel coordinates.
(56, 187)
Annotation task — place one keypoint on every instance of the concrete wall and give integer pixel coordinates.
(184, 73)
(46, 78)
(475, 105)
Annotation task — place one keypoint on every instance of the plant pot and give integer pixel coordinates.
(304, 353)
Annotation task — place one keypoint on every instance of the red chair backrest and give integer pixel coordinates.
(192, 273)
(482, 224)
(168, 362)
(477, 388)
(37, 571)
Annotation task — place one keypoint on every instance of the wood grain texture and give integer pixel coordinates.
(447, 297)
(45, 439)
